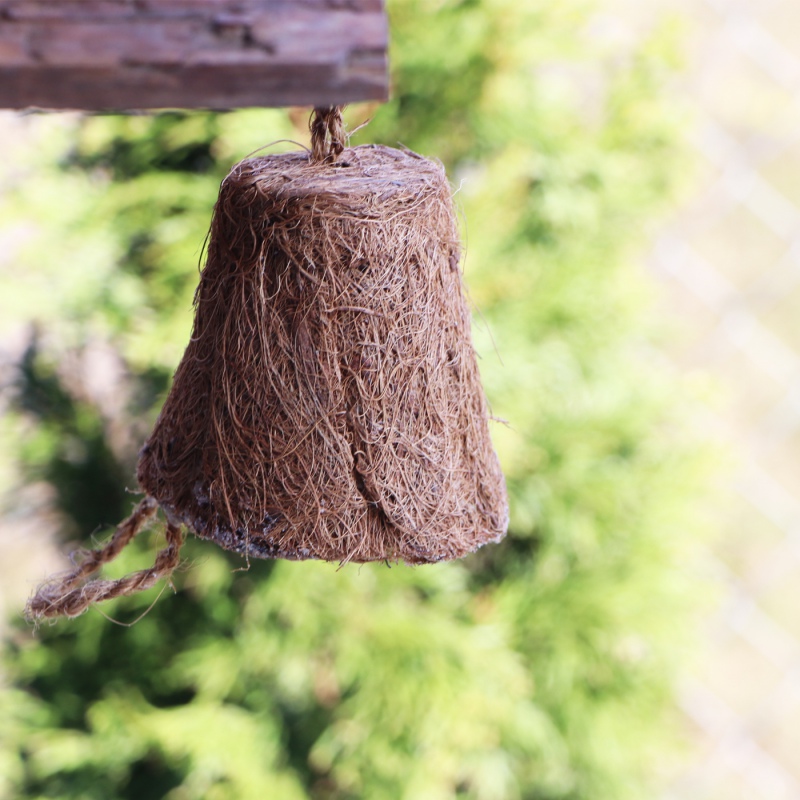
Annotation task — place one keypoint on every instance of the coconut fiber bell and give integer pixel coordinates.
(329, 404)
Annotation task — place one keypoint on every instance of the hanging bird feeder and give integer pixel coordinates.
(328, 405)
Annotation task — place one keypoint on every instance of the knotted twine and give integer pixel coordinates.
(328, 404)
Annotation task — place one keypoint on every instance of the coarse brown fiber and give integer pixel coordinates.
(329, 404)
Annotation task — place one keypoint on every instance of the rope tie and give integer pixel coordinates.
(65, 596)
(328, 134)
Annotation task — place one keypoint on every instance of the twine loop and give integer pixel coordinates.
(67, 595)
(328, 134)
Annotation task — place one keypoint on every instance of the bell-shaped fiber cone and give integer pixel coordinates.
(329, 404)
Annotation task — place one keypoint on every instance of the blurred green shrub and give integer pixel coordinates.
(539, 668)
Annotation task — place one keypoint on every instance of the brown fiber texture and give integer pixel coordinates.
(329, 403)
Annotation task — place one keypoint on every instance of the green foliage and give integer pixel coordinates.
(539, 668)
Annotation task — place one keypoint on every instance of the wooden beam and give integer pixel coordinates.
(147, 54)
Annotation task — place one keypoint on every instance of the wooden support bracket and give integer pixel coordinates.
(146, 54)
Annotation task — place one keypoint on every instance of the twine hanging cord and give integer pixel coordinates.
(328, 134)
(66, 595)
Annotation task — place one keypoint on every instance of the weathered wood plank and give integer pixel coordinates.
(121, 54)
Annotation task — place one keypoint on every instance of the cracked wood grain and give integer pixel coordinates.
(146, 54)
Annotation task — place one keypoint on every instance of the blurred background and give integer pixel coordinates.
(629, 179)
